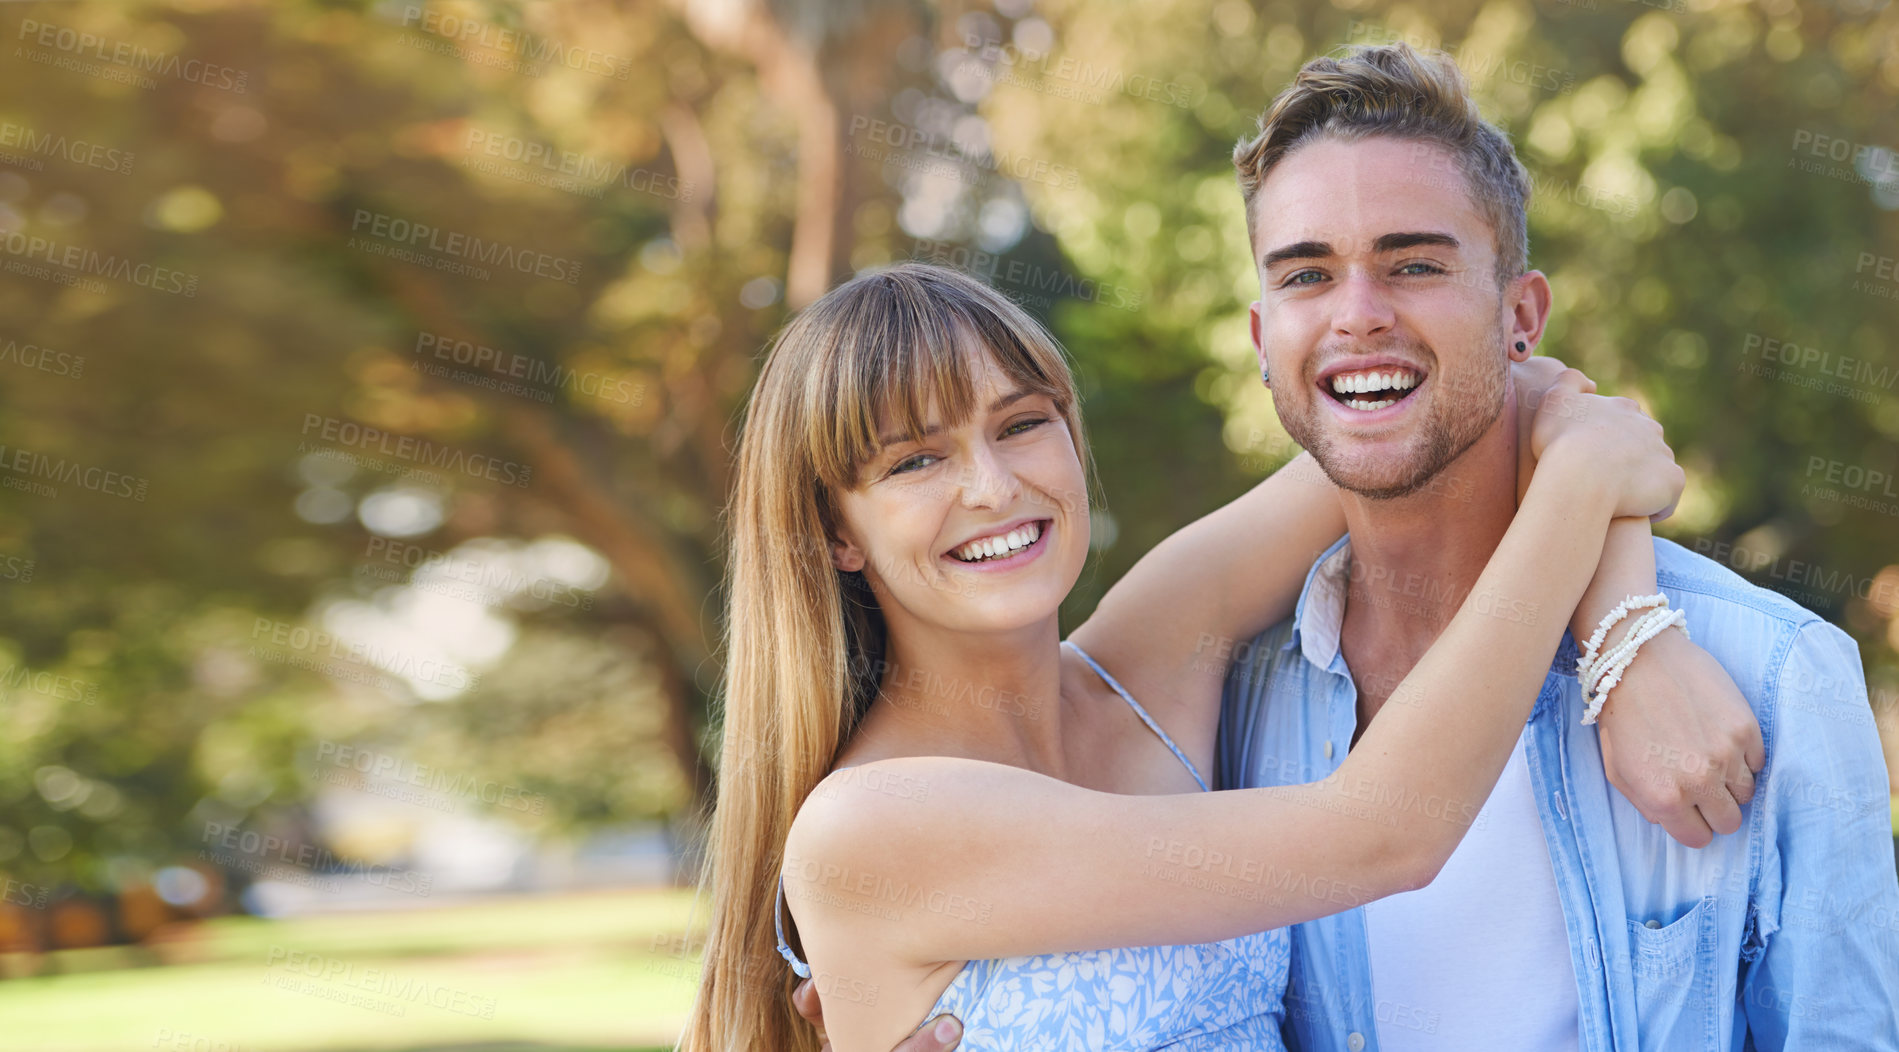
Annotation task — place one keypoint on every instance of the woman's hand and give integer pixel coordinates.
(1531, 380)
(1680, 742)
(1609, 443)
(942, 1035)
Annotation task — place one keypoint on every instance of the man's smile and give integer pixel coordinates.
(1369, 386)
(1374, 389)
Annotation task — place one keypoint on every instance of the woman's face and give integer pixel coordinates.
(981, 526)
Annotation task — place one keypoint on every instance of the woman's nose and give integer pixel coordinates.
(988, 482)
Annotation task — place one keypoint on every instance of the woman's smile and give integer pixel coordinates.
(1007, 548)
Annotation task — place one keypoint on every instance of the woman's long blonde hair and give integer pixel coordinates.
(804, 641)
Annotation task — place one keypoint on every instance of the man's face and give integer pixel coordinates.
(1379, 315)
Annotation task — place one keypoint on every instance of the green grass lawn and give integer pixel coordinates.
(568, 973)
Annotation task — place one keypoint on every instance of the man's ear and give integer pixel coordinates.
(1529, 313)
(1259, 349)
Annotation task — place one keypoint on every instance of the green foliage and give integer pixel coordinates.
(1677, 217)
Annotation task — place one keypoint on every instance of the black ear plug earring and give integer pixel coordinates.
(1521, 346)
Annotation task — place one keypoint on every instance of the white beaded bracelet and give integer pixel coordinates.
(1623, 652)
(1644, 628)
(1609, 620)
(1601, 676)
(1620, 652)
(1653, 627)
(1590, 658)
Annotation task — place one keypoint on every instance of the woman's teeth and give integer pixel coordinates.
(1387, 388)
(999, 546)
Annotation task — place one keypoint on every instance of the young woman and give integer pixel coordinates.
(967, 814)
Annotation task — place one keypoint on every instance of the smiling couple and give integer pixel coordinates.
(1434, 830)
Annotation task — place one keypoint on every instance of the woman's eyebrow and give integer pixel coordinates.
(996, 406)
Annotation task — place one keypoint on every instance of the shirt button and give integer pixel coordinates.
(1328, 755)
(1654, 924)
(1355, 1041)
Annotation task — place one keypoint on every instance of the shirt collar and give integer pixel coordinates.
(1319, 619)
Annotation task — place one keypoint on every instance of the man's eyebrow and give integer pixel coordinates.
(1384, 243)
(996, 406)
(1395, 242)
(1296, 250)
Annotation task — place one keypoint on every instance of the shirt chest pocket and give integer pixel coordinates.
(1677, 999)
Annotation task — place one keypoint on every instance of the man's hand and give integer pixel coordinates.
(1679, 741)
(938, 1035)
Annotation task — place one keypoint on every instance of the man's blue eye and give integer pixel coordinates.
(1294, 280)
(1429, 268)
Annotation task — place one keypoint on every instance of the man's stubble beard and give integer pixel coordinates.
(1448, 430)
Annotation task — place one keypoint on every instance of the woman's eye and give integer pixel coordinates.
(1023, 425)
(912, 463)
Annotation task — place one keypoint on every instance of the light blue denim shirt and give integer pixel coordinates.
(1784, 934)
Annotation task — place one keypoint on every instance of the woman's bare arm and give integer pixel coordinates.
(1172, 623)
(1678, 739)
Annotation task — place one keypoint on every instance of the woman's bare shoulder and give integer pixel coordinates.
(858, 808)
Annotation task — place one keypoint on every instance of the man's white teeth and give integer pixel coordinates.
(996, 547)
(1359, 383)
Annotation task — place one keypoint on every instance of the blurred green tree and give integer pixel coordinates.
(556, 236)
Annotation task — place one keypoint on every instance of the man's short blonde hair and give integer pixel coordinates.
(1395, 91)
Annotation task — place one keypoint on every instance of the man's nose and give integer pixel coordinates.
(1362, 306)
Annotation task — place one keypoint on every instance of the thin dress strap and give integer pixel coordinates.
(802, 969)
(1141, 712)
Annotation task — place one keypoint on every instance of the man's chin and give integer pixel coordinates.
(1397, 461)
(1377, 477)
(1390, 490)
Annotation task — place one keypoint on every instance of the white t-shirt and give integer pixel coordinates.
(1478, 958)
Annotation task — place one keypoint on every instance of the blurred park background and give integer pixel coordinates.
(368, 374)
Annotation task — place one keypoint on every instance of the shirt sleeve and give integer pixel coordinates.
(1820, 958)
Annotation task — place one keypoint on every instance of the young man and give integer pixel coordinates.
(1387, 223)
